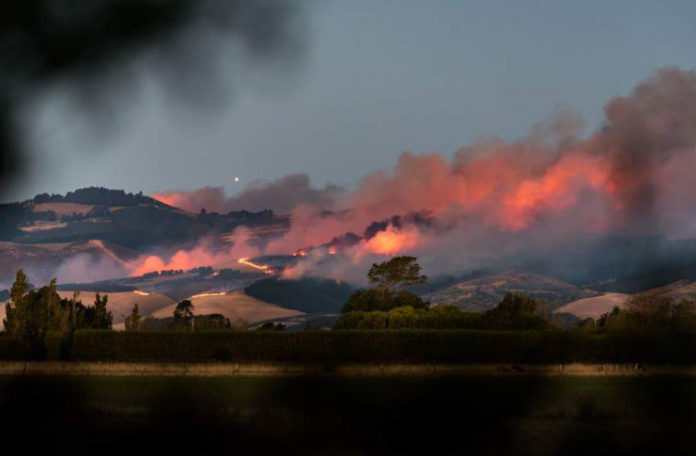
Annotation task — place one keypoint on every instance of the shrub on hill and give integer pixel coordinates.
(514, 312)
(440, 317)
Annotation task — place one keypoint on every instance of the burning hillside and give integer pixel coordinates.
(493, 204)
(496, 199)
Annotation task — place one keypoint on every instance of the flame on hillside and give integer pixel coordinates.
(263, 267)
(496, 198)
(205, 295)
(392, 241)
(141, 293)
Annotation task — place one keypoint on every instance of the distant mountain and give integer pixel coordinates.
(130, 220)
(485, 293)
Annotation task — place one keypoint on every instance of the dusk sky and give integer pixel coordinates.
(365, 81)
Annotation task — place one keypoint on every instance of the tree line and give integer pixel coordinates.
(31, 314)
(388, 304)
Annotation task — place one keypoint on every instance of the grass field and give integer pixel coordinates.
(373, 415)
(236, 305)
(120, 303)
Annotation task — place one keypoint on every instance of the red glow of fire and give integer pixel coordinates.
(263, 267)
(171, 199)
(392, 241)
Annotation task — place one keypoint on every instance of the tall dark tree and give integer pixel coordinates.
(390, 279)
(133, 320)
(398, 272)
(184, 312)
(17, 293)
(98, 317)
(29, 314)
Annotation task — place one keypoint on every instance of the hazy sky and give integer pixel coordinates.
(376, 78)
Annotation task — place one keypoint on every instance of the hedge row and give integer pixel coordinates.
(441, 346)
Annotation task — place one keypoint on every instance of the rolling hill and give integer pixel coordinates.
(484, 293)
(237, 306)
(121, 303)
(595, 306)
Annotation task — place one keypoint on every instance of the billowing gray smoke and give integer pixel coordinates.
(89, 45)
(643, 132)
(281, 195)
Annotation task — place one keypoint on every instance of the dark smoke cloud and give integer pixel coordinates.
(90, 44)
(619, 202)
(281, 195)
(643, 131)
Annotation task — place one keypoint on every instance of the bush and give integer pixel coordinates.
(375, 299)
(440, 317)
(11, 348)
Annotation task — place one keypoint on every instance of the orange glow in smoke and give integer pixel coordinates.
(392, 241)
(171, 199)
(558, 189)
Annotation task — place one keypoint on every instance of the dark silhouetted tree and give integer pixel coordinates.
(398, 272)
(389, 278)
(515, 311)
(133, 320)
(184, 313)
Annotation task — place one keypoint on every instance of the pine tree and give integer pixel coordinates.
(12, 308)
(133, 320)
(102, 318)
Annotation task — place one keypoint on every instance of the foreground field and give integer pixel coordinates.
(363, 415)
(235, 369)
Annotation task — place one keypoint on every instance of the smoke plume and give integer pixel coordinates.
(494, 200)
(537, 202)
(281, 195)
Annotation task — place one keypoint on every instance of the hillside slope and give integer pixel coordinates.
(595, 306)
(236, 305)
(486, 292)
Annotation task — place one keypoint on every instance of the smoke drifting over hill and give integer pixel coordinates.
(281, 195)
(494, 199)
(97, 51)
(493, 204)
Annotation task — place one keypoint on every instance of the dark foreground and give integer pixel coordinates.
(357, 415)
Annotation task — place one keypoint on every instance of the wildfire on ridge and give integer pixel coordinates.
(170, 200)
(141, 293)
(263, 267)
(392, 241)
(203, 295)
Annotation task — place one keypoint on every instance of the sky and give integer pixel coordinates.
(372, 79)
